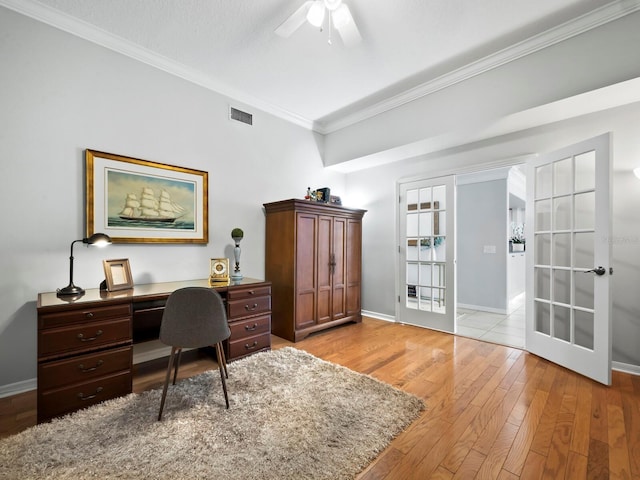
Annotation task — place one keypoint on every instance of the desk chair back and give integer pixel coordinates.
(194, 317)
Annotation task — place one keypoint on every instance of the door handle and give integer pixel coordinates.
(598, 271)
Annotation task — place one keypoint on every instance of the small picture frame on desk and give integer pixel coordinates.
(117, 274)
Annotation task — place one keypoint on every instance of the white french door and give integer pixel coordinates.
(568, 257)
(427, 253)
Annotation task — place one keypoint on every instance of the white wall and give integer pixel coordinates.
(60, 95)
(380, 247)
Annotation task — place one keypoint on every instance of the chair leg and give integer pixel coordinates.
(222, 358)
(222, 372)
(166, 381)
(175, 373)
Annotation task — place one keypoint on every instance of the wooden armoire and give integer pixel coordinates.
(314, 263)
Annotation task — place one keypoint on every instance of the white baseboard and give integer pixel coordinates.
(18, 387)
(481, 308)
(379, 316)
(626, 368)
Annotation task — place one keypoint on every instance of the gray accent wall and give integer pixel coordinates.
(481, 239)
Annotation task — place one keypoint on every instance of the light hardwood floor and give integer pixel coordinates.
(492, 411)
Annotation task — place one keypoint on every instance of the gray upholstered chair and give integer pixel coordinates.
(194, 317)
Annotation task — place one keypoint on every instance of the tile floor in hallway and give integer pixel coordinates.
(493, 327)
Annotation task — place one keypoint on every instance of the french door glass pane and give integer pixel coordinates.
(542, 317)
(562, 286)
(543, 181)
(425, 224)
(562, 177)
(583, 250)
(543, 249)
(562, 322)
(425, 274)
(542, 287)
(584, 284)
(562, 213)
(585, 165)
(412, 225)
(584, 328)
(543, 215)
(562, 249)
(585, 207)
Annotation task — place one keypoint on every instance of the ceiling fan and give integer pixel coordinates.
(315, 11)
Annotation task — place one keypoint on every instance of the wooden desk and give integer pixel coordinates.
(86, 344)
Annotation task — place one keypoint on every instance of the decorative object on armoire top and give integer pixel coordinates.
(237, 235)
(323, 194)
(97, 239)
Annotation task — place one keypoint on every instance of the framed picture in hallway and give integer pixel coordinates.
(140, 201)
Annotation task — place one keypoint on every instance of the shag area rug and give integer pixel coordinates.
(292, 416)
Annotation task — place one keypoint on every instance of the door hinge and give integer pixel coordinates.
(398, 298)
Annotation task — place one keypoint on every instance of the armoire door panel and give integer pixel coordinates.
(305, 309)
(324, 305)
(307, 226)
(353, 299)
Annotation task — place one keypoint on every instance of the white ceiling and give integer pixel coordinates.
(230, 45)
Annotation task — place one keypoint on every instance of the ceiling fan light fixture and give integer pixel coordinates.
(341, 16)
(332, 4)
(315, 16)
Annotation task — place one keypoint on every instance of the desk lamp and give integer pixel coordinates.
(97, 239)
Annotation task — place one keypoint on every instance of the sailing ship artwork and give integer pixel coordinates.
(149, 202)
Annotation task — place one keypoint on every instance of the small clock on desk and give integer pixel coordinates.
(219, 271)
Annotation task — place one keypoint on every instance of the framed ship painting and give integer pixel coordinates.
(139, 201)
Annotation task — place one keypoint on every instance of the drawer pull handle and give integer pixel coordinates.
(90, 339)
(89, 397)
(251, 292)
(92, 369)
(251, 347)
(89, 314)
(248, 308)
(251, 328)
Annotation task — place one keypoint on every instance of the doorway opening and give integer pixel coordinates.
(490, 252)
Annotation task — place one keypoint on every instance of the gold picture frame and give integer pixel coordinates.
(219, 270)
(117, 274)
(139, 201)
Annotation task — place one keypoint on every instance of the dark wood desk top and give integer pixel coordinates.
(151, 291)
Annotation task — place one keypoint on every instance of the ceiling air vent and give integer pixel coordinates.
(240, 116)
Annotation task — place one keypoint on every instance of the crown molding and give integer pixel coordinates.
(91, 33)
(584, 23)
(50, 16)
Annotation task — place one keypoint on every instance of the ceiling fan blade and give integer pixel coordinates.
(295, 21)
(347, 28)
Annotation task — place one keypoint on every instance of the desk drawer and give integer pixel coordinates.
(248, 328)
(83, 368)
(249, 306)
(245, 346)
(89, 314)
(64, 400)
(248, 292)
(78, 338)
